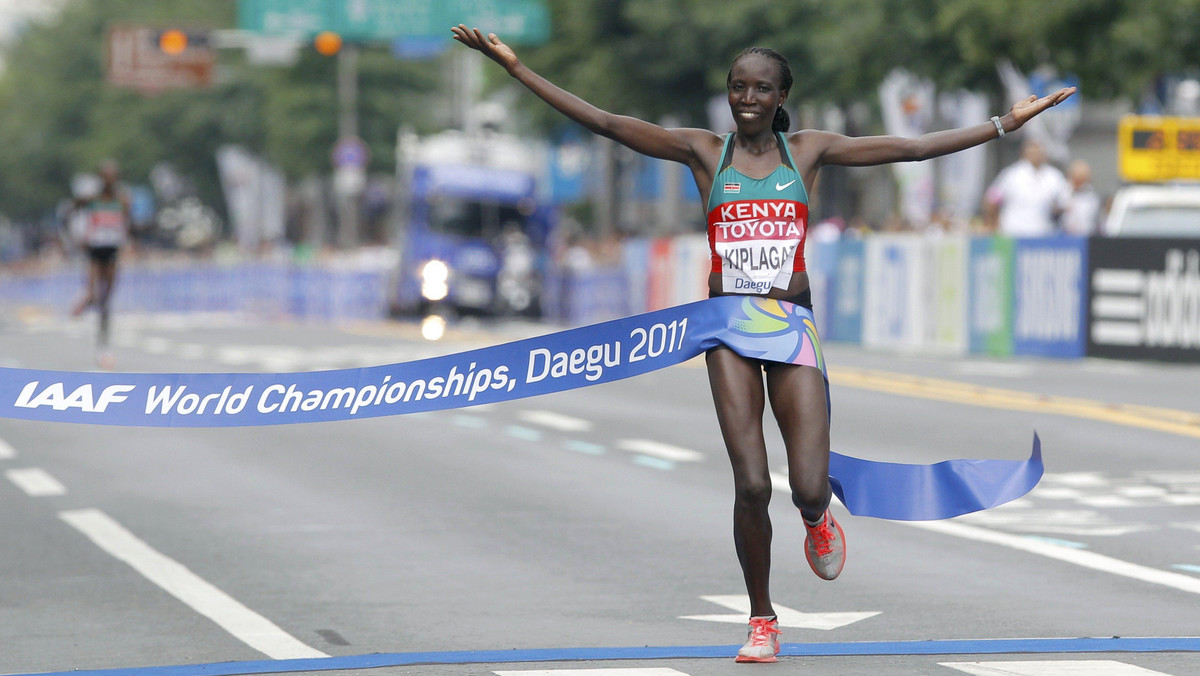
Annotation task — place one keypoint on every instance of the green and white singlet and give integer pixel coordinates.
(757, 227)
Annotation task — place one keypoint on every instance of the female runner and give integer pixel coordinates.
(760, 165)
(106, 229)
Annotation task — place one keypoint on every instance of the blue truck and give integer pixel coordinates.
(475, 235)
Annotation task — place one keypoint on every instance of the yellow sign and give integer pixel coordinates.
(1154, 148)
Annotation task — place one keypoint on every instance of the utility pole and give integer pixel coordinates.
(349, 180)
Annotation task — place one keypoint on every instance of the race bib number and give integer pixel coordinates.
(105, 228)
(757, 241)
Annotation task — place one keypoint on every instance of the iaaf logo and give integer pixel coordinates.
(55, 396)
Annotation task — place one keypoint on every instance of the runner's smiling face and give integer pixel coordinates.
(755, 93)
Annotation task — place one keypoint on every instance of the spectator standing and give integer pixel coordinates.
(1027, 194)
(1080, 205)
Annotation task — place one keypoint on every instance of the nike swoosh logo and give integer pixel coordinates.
(781, 187)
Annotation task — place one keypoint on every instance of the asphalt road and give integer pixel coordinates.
(594, 519)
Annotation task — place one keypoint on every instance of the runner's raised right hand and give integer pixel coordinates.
(491, 45)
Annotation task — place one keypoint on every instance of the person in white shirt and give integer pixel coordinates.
(1080, 205)
(1027, 194)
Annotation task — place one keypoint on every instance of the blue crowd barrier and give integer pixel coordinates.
(263, 289)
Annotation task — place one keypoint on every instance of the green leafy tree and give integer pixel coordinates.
(60, 117)
(651, 57)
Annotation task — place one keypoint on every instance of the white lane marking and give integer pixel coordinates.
(156, 345)
(7, 452)
(244, 624)
(1056, 541)
(469, 421)
(660, 450)
(36, 482)
(1076, 479)
(584, 447)
(781, 483)
(641, 671)
(192, 351)
(558, 421)
(1114, 501)
(1051, 493)
(1052, 668)
(523, 433)
(656, 463)
(788, 617)
(1137, 492)
(1082, 558)
(1054, 521)
(1177, 480)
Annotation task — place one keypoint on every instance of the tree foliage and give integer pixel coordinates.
(59, 116)
(649, 58)
(652, 57)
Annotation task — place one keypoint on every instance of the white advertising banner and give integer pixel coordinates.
(946, 324)
(897, 300)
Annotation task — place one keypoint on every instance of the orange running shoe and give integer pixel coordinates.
(762, 641)
(825, 547)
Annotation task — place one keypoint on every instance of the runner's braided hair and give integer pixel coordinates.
(782, 121)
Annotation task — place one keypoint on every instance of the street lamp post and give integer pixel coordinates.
(348, 180)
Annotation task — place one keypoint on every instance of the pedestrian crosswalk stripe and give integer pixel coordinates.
(1052, 668)
(660, 450)
(558, 421)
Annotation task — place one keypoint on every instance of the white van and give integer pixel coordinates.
(1155, 211)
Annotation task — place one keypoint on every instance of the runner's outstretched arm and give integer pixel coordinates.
(678, 145)
(871, 150)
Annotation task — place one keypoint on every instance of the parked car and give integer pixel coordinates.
(1155, 211)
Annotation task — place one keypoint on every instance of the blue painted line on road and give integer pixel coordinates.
(993, 646)
(523, 433)
(1189, 567)
(584, 447)
(651, 461)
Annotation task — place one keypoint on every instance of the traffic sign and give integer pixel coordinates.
(135, 59)
(518, 21)
(350, 153)
(285, 17)
(1154, 148)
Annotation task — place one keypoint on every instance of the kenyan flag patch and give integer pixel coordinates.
(733, 187)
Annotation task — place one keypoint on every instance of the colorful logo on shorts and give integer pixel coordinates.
(777, 331)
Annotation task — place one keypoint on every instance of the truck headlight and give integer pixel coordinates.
(434, 277)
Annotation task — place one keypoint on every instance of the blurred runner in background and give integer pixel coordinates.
(101, 225)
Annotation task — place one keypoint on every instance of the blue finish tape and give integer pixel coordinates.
(752, 326)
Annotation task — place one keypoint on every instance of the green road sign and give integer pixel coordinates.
(517, 21)
(285, 17)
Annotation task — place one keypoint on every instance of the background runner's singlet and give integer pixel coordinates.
(757, 227)
(105, 224)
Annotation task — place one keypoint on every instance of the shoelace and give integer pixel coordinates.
(822, 537)
(761, 629)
